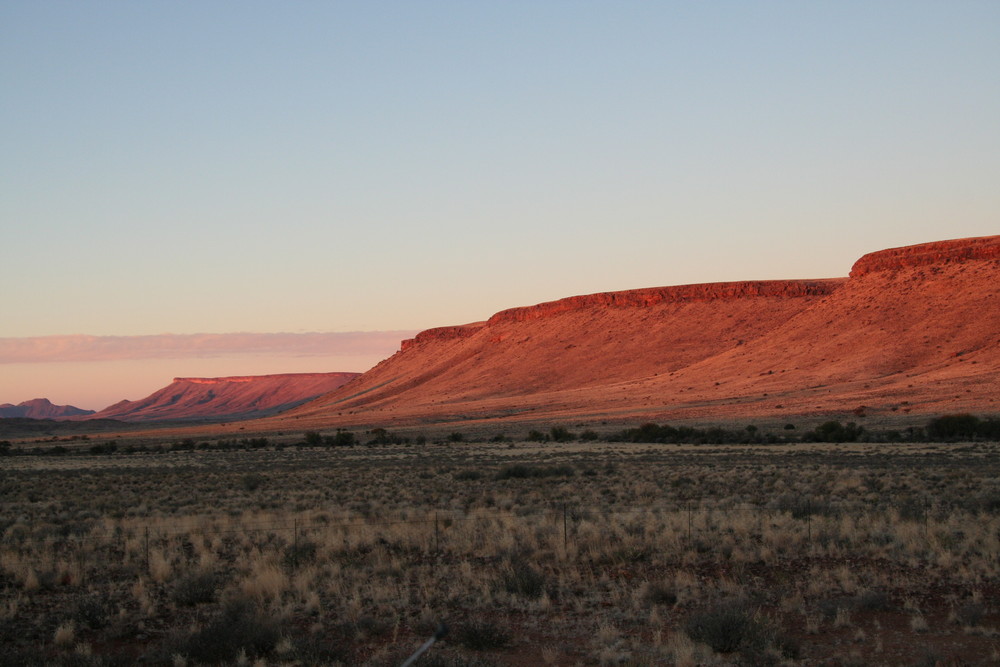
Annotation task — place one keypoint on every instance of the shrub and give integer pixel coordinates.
(953, 427)
(383, 437)
(301, 553)
(91, 612)
(455, 437)
(589, 436)
(834, 431)
(340, 439)
(482, 636)
(195, 588)
(660, 593)
(523, 579)
(238, 627)
(561, 434)
(253, 481)
(729, 626)
(523, 471)
(313, 439)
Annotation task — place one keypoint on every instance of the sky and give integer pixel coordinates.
(171, 169)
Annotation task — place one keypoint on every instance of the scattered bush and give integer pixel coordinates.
(730, 626)
(522, 579)
(253, 481)
(340, 439)
(91, 612)
(237, 628)
(482, 636)
(834, 431)
(524, 471)
(380, 436)
(561, 434)
(195, 588)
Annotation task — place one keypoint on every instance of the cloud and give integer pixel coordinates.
(46, 349)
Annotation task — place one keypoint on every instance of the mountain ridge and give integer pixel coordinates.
(41, 408)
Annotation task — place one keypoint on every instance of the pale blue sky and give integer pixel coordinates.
(208, 166)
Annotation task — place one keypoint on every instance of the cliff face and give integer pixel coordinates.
(913, 329)
(41, 408)
(938, 253)
(227, 398)
(645, 298)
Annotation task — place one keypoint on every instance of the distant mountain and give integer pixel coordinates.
(911, 330)
(226, 398)
(41, 408)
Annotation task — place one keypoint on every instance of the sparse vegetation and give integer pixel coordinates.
(623, 553)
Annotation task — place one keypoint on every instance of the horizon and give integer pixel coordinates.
(386, 169)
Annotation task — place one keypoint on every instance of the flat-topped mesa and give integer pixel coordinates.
(442, 334)
(644, 298)
(235, 379)
(938, 252)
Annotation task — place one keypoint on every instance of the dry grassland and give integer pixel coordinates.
(533, 554)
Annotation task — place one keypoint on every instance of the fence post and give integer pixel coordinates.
(565, 527)
(690, 519)
(809, 524)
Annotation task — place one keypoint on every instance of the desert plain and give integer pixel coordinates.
(806, 505)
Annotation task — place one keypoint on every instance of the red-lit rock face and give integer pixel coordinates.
(939, 253)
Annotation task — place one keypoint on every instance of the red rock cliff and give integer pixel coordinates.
(939, 252)
(442, 334)
(643, 298)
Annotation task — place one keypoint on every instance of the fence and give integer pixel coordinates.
(434, 532)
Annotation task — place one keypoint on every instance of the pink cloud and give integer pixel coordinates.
(46, 349)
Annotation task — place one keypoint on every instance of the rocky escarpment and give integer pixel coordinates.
(242, 379)
(645, 298)
(227, 398)
(924, 254)
(439, 334)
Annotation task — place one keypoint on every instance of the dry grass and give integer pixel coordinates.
(353, 556)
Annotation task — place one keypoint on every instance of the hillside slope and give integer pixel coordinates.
(912, 329)
(226, 398)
